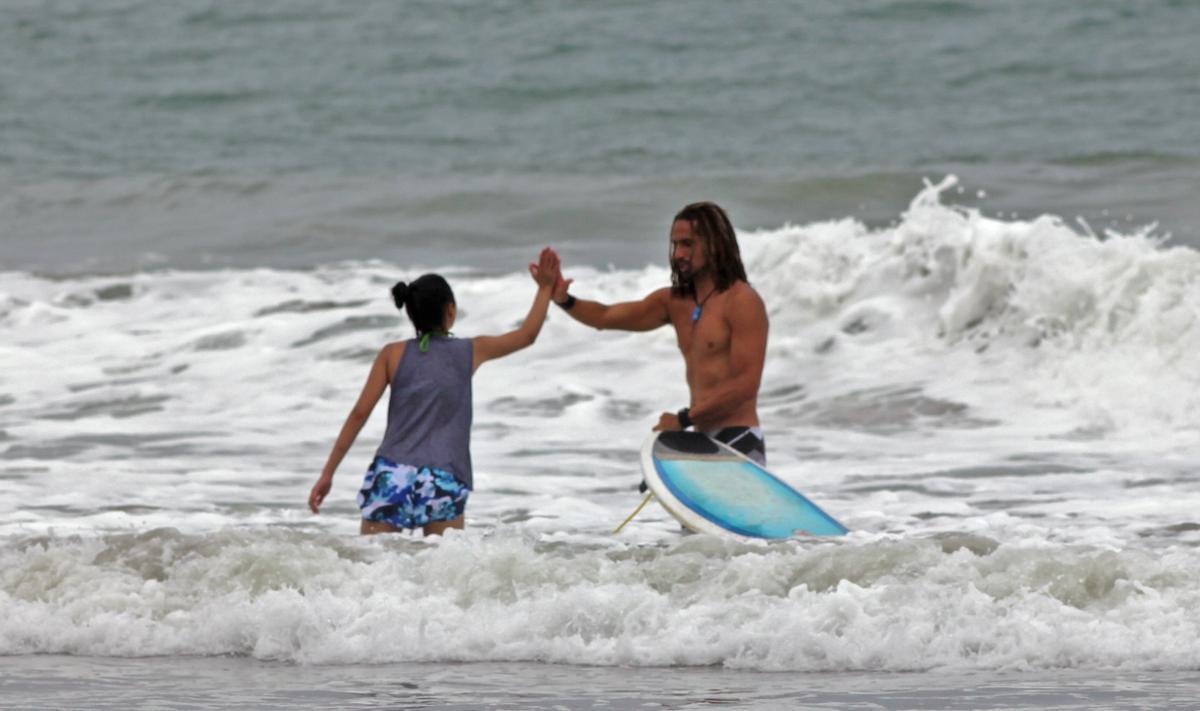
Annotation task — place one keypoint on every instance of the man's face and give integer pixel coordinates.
(688, 256)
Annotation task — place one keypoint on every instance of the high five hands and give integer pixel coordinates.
(547, 272)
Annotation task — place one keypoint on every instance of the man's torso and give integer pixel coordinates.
(706, 347)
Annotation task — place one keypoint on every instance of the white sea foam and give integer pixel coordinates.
(880, 604)
(1015, 384)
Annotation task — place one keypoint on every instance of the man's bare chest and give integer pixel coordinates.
(704, 339)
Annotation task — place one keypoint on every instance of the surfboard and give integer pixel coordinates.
(712, 488)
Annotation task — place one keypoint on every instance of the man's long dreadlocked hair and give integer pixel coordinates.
(712, 225)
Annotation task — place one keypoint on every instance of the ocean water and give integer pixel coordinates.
(146, 134)
(972, 226)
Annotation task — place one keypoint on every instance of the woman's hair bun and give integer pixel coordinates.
(400, 294)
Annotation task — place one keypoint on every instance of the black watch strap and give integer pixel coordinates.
(685, 417)
(568, 304)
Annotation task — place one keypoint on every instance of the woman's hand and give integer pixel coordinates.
(319, 491)
(548, 270)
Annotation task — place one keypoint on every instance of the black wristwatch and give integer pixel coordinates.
(568, 304)
(685, 417)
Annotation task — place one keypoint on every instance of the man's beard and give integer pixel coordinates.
(686, 280)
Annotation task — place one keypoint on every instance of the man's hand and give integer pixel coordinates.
(668, 422)
(559, 294)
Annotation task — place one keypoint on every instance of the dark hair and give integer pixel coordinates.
(425, 301)
(712, 225)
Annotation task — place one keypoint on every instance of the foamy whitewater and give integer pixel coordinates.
(1004, 412)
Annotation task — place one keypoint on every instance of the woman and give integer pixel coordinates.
(421, 475)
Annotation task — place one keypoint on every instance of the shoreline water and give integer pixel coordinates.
(56, 682)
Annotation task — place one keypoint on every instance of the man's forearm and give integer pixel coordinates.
(589, 313)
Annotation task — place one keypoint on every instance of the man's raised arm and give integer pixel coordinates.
(645, 315)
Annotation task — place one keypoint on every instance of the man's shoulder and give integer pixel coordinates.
(743, 306)
(742, 293)
(664, 295)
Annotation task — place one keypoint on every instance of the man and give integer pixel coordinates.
(720, 325)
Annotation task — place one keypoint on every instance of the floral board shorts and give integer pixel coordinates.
(410, 497)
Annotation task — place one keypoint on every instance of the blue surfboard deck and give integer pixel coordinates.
(712, 488)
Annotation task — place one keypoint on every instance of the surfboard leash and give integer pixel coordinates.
(636, 511)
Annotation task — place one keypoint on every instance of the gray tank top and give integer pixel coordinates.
(429, 412)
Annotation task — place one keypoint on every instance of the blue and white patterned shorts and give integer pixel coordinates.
(410, 497)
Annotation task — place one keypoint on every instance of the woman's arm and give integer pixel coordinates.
(377, 382)
(545, 273)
